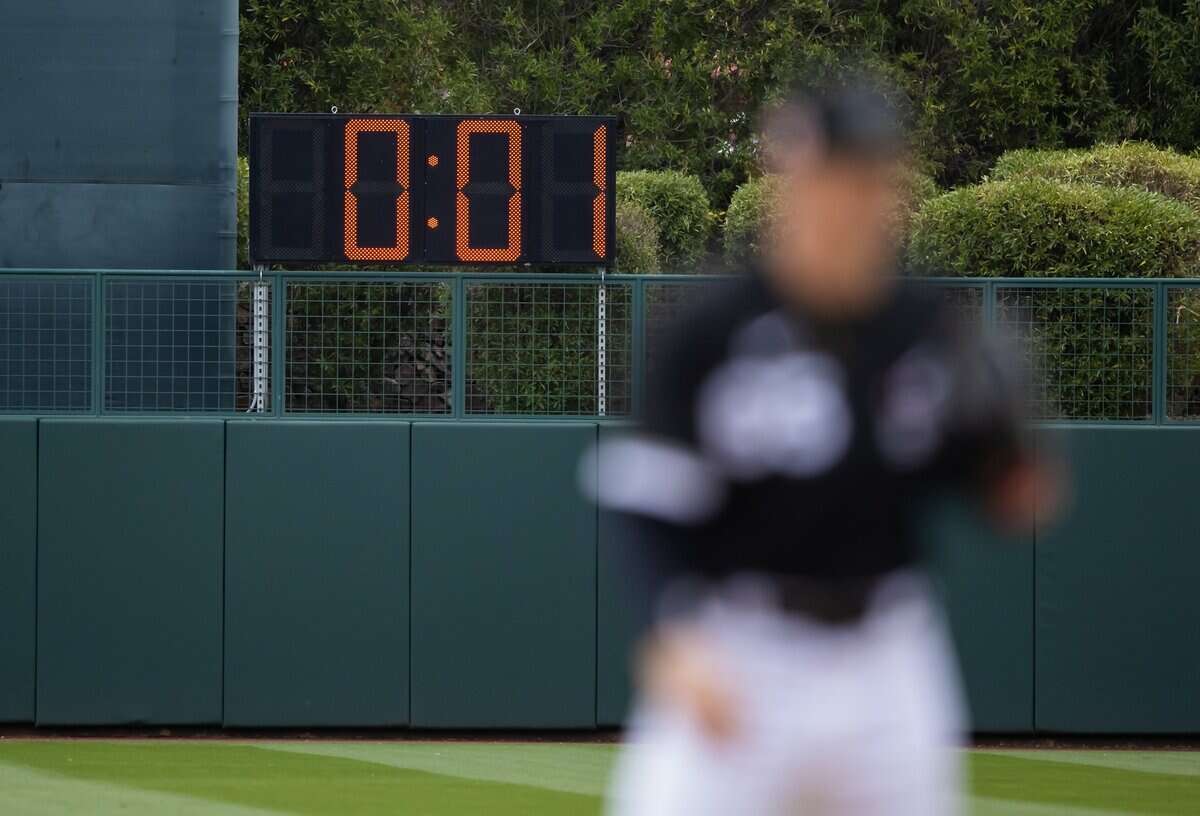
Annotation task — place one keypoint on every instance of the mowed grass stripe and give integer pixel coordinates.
(28, 792)
(1186, 763)
(1068, 784)
(981, 806)
(286, 781)
(567, 767)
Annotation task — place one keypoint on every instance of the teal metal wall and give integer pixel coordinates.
(119, 144)
(446, 574)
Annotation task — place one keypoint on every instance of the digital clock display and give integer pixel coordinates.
(432, 189)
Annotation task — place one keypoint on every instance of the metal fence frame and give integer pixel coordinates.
(458, 283)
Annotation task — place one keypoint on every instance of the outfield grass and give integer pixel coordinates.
(441, 778)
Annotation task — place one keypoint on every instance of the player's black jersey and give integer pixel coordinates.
(774, 443)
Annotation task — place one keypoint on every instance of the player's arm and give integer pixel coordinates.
(991, 447)
(658, 484)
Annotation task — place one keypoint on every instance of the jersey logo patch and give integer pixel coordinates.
(785, 414)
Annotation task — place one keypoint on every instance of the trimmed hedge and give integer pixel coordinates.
(747, 219)
(679, 206)
(1129, 164)
(638, 251)
(750, 209)
(1094, 345)
(1039, 228)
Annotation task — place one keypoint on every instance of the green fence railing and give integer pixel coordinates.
(501, 345)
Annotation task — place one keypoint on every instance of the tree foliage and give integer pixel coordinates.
(686, 77)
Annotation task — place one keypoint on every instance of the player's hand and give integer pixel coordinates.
(681, 668)
(1028, 489)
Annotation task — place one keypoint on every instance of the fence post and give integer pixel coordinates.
(260, 315)
(989, 305)
(1158, 399)
(601, 346)
(278, 344)
(637, 350)
(458, 348)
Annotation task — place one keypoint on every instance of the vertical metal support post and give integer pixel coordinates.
(1158, 399)
(98, 330)
(602, 346)
(260, 344)
(638, 346)
(458, 348)
(278, 344)
(989, 305)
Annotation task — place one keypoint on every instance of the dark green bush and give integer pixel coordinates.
(637, 240)
(751, 206)
(1094, 345)
(679, 206)
(747, 218)
(1130, 164)
(1039, 228)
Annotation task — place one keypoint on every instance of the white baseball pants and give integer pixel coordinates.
(856, 720)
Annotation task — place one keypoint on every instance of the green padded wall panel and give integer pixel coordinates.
(623, 611)
(1118, 610)
(129, 571)
(316, 573)
(986, 581)
(18, 567)
(503, 577)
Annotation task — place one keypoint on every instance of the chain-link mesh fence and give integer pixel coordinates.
(387, 344)
(533, 348)
(176, 345)
(368, 347)
(1091, 348)
(46, 344)
(1183, 353)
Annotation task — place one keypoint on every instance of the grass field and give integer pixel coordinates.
(441, 778)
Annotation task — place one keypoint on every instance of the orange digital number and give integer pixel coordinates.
(600, 179)
(462, 227)
(398, 251)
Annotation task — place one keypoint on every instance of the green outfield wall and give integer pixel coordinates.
(445, 574)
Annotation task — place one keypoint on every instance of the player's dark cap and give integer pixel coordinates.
(857, 120)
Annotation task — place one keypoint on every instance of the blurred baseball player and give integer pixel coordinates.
(798, 664)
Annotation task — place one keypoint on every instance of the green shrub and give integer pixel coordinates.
(679, 206)
(1039, 228)
(1095, 344)
(747, 219)
(637, 240)
(750, 210)
(1130, 164)
(243, 213)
